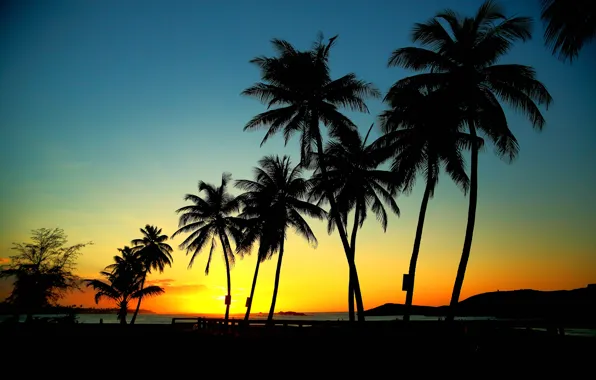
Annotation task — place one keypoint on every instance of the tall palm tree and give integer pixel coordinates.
(276, 200)
(299, 85)
(122, 283)
(462, 58)
(209, 218)
(358, 183)
(422, 132)
(570, 25)
(154, 254)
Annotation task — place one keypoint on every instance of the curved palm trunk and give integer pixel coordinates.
(134, 316)
(353, 246)
(415, 251)
(225, 248)
(252, 289)
(463, 263)
(276, 286)
(344, 239)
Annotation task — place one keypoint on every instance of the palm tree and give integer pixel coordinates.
(570, 24)
(122, 282)
(210, 218)
(422, 131)
(462, 59)
(352, 170)
(299, 85)
(154, 254)
(275, 200)
(127, 262)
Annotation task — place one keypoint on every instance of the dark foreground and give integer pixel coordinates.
(75, 351)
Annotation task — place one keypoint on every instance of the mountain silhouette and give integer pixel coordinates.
(570, 305)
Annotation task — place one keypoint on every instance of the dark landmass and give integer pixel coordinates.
(109, 311)
(449, 349)
(7, 309)
(572, 305)
(294, 313)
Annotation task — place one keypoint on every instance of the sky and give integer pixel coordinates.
(112, 110)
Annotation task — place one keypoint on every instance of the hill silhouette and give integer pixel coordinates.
(8, 309)
(573, 305)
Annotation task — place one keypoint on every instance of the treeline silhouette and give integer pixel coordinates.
(451, 105)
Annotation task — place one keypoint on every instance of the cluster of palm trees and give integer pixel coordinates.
(451, 104)
(124, 279)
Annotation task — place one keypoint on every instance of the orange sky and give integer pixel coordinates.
(111, 113)
(504, 256)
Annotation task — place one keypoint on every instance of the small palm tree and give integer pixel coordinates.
(299, 85)
(462, 59)
(210, 218)
(570, 25)
(358, 183)
(422, 132)
(275, 201)
(154, 254)
(127, 263)
(122, 283)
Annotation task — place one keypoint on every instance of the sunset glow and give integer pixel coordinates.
(107, 124)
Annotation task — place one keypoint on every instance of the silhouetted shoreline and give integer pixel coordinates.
(569, 305)
(382, 347)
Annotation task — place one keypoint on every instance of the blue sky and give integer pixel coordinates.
(112, 110)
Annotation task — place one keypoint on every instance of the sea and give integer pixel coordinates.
(317, 316)
(151, 318)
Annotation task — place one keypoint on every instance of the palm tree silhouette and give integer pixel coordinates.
(154, 254)
(275, 200)
(463, 60)
(422, 131)
(298, 83)
(570, 25)
(208, 218)
(352, 171)
(127, 263)
(122, 282)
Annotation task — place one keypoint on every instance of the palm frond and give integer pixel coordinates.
(570, 25)
(148, 291)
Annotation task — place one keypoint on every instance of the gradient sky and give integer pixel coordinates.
(112, 110)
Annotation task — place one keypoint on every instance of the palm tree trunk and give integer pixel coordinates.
(225, 248)
(134, 316)
(343, 236)
(353, 246)
(276, 286)
(123, 312)
(463, 263)
(415, 251)
(252, 289)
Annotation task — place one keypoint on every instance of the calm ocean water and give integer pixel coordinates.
(167, 319)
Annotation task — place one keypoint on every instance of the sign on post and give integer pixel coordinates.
(228, 299)
(248, 301)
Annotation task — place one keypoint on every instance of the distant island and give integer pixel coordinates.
(570, 305)
(293, 313)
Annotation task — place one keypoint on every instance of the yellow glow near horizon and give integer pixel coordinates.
(506, 254)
